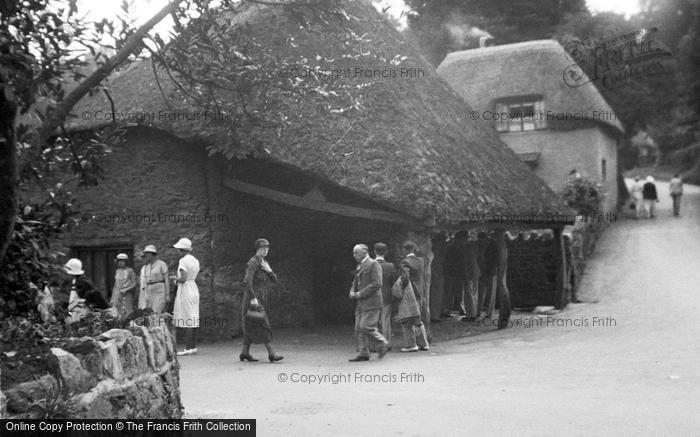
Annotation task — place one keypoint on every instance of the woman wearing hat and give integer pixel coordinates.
(186, 309)
(258, 279)
(154, 281)
(124, 288)
(83, 296)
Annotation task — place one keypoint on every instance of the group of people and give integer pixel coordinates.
(383, 292)
(152, 291)
(645, 196)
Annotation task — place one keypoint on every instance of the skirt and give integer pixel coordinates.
(257, 331)
(186, 308)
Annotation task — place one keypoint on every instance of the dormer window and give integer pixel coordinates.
(520, 114)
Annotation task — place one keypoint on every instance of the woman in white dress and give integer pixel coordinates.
(186, 309)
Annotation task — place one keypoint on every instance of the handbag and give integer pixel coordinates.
(397, 290)
(255, 312)
(255, 315)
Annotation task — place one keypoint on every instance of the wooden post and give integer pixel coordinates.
(501, 285)
(560, 257)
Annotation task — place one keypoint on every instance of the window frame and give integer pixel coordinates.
(510, 105)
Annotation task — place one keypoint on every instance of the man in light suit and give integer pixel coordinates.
(389, 276)
(367, 291)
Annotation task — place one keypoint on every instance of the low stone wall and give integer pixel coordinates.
(121, 373)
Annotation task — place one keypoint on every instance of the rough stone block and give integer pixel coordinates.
(118, 335)
(66, 367)
(88, 351)
(111, 364)
(133, 357)
(145, 335)
(20, 397)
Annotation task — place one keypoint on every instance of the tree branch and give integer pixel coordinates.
(56, 117)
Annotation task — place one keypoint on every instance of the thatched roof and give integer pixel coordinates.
(411, 145)
(484, 75)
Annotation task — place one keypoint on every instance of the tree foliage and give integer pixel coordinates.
(584, 196)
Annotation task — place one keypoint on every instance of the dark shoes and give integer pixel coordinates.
(274, 358)
(359, 358)
(247, 357)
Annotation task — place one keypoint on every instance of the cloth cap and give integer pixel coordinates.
(183, 243)
(150, 249)
(261, 242)
(74, 267)
(122, 256)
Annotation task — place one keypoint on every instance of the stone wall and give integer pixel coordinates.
(564, 150)
(119, 374)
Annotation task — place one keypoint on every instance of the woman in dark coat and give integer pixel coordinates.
(258, 280)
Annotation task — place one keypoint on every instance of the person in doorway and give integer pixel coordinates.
(676, 190)
(186, 309)
(123, 297)
(471, 276)
(389, 276)
(366, 289)
(650, 196)
(636, 193)
(154, 282)
(258, 281)
(438, 307)
(488, 263)
(454, 274)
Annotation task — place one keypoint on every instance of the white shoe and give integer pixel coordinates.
(187, 352)
(409, 349)
(424, 348)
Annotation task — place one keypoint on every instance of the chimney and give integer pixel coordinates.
(485, 41)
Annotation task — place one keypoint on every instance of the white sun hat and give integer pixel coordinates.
(183, 243)
(122, 256)
(74, 267)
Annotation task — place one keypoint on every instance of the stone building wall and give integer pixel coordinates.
(119, 374)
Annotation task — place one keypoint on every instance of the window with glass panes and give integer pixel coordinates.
(520, 114)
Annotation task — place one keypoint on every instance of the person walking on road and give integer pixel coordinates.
(636, 193)
(676, 190)
(366, 290)
(259, 278)
(389, 276)
(414, 335)
(650, 196)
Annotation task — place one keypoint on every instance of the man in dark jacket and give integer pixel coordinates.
(389, 277)
(367, 290)
(650, 196)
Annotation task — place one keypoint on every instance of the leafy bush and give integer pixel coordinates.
(584, 196)
(29, 261)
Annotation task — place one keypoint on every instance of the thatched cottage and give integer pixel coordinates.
(408, 162)
(520, 91)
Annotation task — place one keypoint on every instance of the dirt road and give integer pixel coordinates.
(626, 365)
